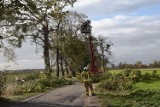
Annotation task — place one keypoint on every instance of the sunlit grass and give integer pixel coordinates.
(148, 86)
(143, 94)
(11, 77)
(143, 71)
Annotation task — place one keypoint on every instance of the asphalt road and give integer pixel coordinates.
(67, 96)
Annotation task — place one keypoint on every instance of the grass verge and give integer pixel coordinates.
(144, 94)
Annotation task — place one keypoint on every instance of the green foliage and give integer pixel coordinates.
(2, 82)
(27, 87)
(98, 78)
(127, 72)
(40, 84)
(154, 74)
(116, 82)
(137, 75)
(32, 76)
(76, 52)
(30, 19)
(124, 90)
(136, 98)
(146, 76)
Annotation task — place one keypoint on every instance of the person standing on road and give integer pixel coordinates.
(87, 81)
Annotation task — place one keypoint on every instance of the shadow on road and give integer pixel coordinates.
(41, 104)
(6, 102)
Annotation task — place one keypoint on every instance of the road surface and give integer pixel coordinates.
(67, 96)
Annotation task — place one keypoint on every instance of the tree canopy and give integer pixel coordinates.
(54, 30)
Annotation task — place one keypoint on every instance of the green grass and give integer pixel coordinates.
(148, 86)
(147, 70)
(150, 70)
(11, 77)
(20, 97)
(144, 93)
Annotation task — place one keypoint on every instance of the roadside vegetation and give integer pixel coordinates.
(29, 84)
(130, 87)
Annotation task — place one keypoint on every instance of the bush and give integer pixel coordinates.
(61, 81)
(146, 76)
(136, 75)
(96, 79)
(154, 74)
(2, 82)
(40, 84)
(116, 82)
(32, 76)
(126, 72)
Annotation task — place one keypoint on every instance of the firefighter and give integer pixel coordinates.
(87, 81)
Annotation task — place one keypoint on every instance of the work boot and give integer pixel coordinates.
(93, 94)
(87, 94)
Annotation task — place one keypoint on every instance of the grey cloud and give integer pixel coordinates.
(26, 58)
(108, 7)
(134, 37)
(22, 64)
(28, 51)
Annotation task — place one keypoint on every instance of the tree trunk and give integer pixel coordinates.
(57, 61)
(73, 73)
(103, 61)
(62, 69)
(46, 52)
(66, 66)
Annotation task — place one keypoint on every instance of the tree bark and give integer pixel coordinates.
(46, 51)
(103, 61)
(62, 69)
(57, 61)
(66, 66)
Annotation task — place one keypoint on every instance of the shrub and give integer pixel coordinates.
(126, 72)
(116, 82)
(154, 74)
(146, 76)
(108, 84)
(98, 78)
(32, 76)
(40, 84)
(136, 75)
(2, 82)
(56, 82)
(18, 89)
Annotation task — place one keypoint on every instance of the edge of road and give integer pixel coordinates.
(91, 101)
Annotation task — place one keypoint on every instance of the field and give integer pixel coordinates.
(11, 77)
(147, 70)
(143, 94)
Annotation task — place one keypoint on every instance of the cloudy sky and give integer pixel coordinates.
(133, 26)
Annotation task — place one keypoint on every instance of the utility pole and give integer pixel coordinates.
(86, 29)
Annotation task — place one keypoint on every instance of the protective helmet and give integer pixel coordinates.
(85, 68)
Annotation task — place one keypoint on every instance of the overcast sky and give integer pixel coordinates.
(133, 26)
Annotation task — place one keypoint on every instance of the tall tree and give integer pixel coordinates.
(36, 20)
(68, 31)
(104, 47)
